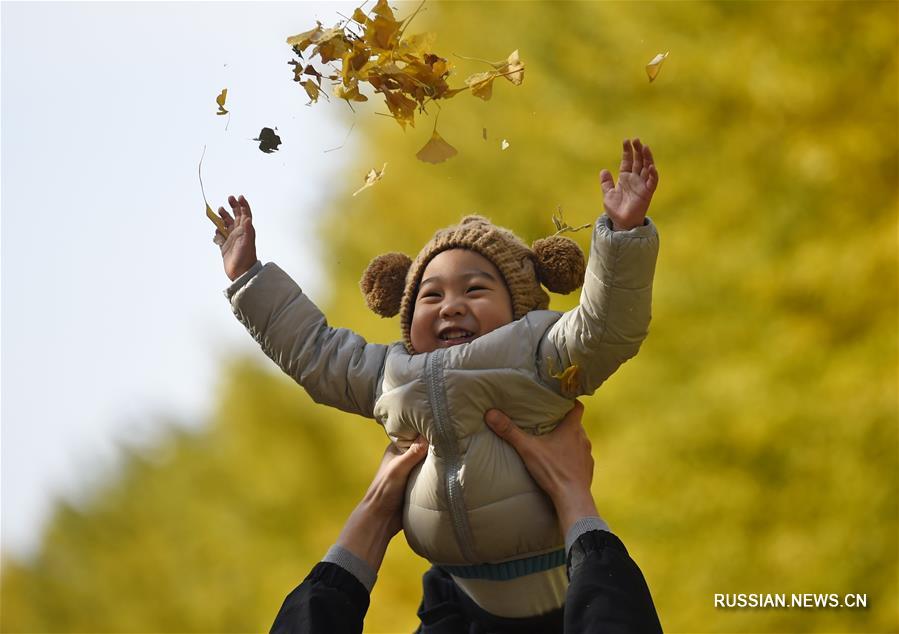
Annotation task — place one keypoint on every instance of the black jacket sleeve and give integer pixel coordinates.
(330, 600)
(607, 592)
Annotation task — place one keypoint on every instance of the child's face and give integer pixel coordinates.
(462, 296)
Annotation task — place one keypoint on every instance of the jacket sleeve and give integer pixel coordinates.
(335, 365)
(612, 317)
(607, 592)
(329, 600)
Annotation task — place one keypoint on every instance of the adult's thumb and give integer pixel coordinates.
(503, 427)
(415, 453)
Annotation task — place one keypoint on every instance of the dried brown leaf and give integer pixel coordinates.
(401, 107)
(311, 89)
(331, 44)
(220, 100)
(268, 140)
(436, 150)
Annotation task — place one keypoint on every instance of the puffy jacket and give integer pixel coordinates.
(471, 507)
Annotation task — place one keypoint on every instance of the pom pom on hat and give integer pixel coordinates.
(384, 281)
(560, 263)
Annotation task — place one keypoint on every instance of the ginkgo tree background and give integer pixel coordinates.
(752, 444)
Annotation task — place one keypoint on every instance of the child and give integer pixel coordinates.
(476, 335)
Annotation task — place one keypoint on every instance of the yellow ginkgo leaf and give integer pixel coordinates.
(359, 15)
(216, 220)
(655, 64)
(371, 178)
(512, 69)
(302, 40)
(401, 107)
(220, 100)
(570, 379)
(482, 84)
(436, 150)
(311, 89)
(350, 93)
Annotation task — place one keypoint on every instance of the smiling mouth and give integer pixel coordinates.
(455, 336)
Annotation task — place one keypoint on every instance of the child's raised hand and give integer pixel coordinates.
(239, 248)
(627, 202)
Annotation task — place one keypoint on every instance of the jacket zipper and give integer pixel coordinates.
(449, 450)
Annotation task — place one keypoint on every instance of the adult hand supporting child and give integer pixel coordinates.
(239, 248)
(379, 516)
(560, 462)
(334, 597)
(627, 202)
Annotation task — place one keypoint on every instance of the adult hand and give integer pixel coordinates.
(239, 248)
(379, 516)
(560, 462)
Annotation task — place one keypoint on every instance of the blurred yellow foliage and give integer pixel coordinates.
(751, 446)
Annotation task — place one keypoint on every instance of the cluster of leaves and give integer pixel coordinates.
(371, 48)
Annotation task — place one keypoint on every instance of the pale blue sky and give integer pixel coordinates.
(112, 312)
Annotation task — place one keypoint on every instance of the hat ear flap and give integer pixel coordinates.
(560, 264)
(384, 281)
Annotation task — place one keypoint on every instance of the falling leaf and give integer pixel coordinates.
(372, 47)
(311, 89)
(484, 134)
(512, 69)
(359, 15)
(301, 41)
(216, 220)
(350, 93)
(655, 65)
(268, 140)
(383, 31)
(401, 107)
(371, 178)
(436, 150)
(504, 145)
(220, 100)
(481, 84)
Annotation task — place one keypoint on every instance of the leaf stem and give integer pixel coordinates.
(399, 36)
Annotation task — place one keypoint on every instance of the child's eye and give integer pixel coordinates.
(428, 294)
(472, 289)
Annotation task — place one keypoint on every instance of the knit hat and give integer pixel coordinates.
(390, 282)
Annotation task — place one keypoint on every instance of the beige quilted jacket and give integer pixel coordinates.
(471, 506)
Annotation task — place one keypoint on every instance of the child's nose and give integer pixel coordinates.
(453, 307)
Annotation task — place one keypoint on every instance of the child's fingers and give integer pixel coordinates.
(606, 181)
(652, 178)
(647, 163)
(638, 157)
(235, 207)
(218, 238)
(226, 218)
(627, 157)
(245, 206)
(648, 158)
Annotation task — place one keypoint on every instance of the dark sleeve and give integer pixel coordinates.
(330, 600)
(607, 592)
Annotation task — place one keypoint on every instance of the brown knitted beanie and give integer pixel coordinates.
(390, 283)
